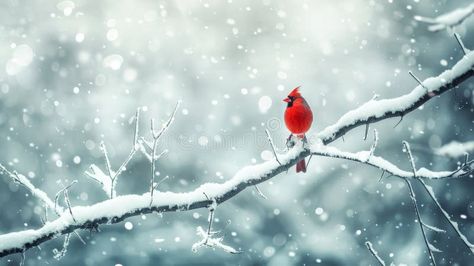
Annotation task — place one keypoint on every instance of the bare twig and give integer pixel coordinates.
(58, 194)
(270, 140)
(463, 48)
(417, 79)
(413, 198)
(309, 160)
(399, 121)
(453, 224)
(374, 253)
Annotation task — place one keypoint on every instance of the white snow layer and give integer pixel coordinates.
(455, 149)
(448, 20)
(121, 205)
(377, 108)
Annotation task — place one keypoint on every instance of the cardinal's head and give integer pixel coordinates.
(294, 94)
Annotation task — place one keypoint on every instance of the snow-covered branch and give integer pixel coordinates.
(448, 20)
(38, 193)
(118, 208)
(377, 110)
(365, 157)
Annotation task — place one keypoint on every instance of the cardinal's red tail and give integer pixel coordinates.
(301, 166)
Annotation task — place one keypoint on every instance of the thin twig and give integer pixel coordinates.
(68, 203)
(80, 238)
(374, 253)
(417, 80)
(366, 131)
(399, 121)
(107, 160)
(58, 194)
(309, 160)
(38, 193)
(260, 192)
(413, 199)
(156, 136)
(211, 220)
(60, 254)
(374, 145)
(270, 140)
(135, 147)
(381, 176)
(453, 224)
(410, 157)
(463, 48)
(23, 258)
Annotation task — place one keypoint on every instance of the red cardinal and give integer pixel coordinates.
(298, 119)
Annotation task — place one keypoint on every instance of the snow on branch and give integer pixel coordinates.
(448, 20)
(367, 158)
(41, 195)
(109, 180)
(119, 208)
(455, 149)
(377, 110)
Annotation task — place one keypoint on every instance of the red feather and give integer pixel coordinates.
(298, 119)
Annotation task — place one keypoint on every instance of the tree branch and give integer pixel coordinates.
(374, 253)
(121, 207)
(377, 110)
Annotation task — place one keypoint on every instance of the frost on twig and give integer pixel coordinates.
(59, 254)
(208, 239)
(100, 177)
(38, 193)
(448, 20)
(374, 253)
(446, 215)
(374, 145)
(259, 192)
(429, 246)
(213, 242)
(65, 193)
(156, 136)
(270, 140)
(417, 212)
(109, 180)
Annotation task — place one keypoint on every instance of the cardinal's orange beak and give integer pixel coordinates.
(287, 100)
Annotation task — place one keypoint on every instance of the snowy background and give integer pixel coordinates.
(73, 73)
